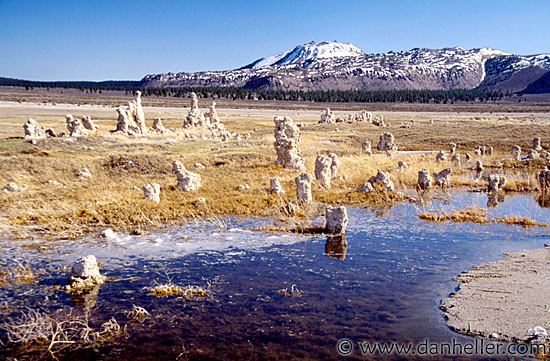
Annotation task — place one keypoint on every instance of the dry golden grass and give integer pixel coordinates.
(119, 165)
(469, 214)
(521, 221)
(478, 215)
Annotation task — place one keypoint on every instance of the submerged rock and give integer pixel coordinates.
(443, 178)
(424, 179)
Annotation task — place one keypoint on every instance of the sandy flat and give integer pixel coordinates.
(506, 297)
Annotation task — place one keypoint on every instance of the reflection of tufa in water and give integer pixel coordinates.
(336, 246)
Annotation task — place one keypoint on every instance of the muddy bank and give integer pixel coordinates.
(505, 298)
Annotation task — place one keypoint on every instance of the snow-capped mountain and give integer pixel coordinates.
(335, 65)
(303, 54)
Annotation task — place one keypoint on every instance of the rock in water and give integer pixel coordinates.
(85, 274)
(443, 178)
(424, 179)
(337, 219)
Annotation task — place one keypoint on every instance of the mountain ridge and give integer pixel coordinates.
(342, 66)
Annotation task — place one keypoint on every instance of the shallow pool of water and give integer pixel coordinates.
(383, 282)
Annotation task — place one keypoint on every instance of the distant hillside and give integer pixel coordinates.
(342, 66)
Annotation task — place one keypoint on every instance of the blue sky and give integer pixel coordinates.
(100, 40)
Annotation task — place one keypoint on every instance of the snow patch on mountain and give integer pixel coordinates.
(310, 52)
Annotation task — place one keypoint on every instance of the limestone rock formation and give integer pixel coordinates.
(287, 138)
(84, 173)
(75, 127)
(151, 192)
(334, 165)
(131, 121)
(328, 117)
(158, 127)
(516, 152)
(303, 187)
(536, 144)
(402, 165)
(362, 116)
(85, 274)
(532, 154)
(379, 121)
(452, 148)
(322, 170)
(14, 187)
(383, 178)
(194, 117)
(424, 179)
(140, 115)
(387, 142)
(212, 115)
(366, 188)
(275, 186)
(33, 130)
(440, 157)
(455, 159)
(187, 181)
(479, 166)
(443, 178)
(336, 219)
(366, 147)
(88, 124)
(494, 183)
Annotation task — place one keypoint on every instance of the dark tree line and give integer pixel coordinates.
(329, 96)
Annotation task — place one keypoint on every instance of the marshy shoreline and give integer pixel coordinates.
(58, 205)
